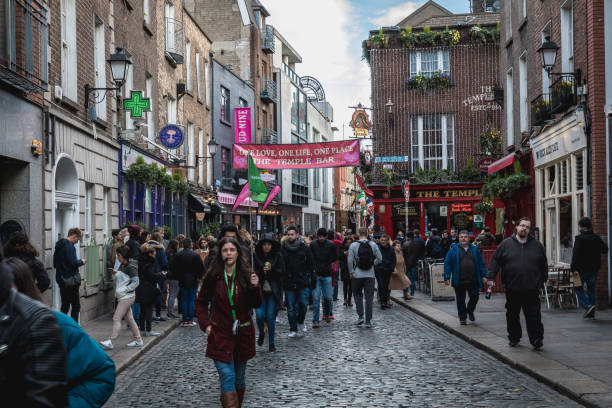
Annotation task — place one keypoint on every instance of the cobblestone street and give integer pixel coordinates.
(404, 361)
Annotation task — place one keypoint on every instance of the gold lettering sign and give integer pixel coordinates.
(462, 193)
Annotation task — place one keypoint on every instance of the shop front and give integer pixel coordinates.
(239, 216)
(430, 206)
(560, 162)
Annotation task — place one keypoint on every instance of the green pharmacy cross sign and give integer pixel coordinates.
(136, 104)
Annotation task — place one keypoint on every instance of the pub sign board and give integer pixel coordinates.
(441, 194)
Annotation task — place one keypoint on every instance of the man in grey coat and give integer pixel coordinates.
(362, 275)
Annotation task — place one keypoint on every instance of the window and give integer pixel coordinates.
(432, 140)
(171, 107)
(546, 32)
(199, 162)
(170, 29)
(188, 80)
(524, 9)
(523, 105)
(190, 151)
(242, 103)
(198, 76)
(510, 107)
(69, 50)
(508, 5)
(567, 36)
(225, 105)
(207, 82)
(209, 168)
(428, 63)
(299, 178)
(316, 173)
(100, 64)
(146, 11)
(108, 211)
(257, 17)
(150, 120)
(129, 86)
(225, 163)
(89, 210)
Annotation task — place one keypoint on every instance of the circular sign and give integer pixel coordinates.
(171, 136)
(483, 164)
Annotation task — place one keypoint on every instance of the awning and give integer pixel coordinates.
(197, 204)
(501, 163)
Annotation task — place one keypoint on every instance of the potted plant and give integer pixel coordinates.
(409, 38)
(449, 37)
(490, 141)
(478, 34)
(427, 38)
(484, 207)
(564, 93)
(542, 110)
(389, 177)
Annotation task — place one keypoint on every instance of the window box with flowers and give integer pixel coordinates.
(481, 35)
(541, 111)
(562, 95)
(438, 81)
(490, 141)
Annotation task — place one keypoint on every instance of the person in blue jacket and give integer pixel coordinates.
(464, 269)
(90, 371)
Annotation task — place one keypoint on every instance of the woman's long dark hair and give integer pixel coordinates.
(24, 281)
(173, 247)
(19, 244)
(217, 266)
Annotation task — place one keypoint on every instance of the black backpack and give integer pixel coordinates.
(436, 250)
(365, 256)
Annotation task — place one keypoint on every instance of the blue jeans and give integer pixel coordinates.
(158, 302)
(267, 313)
(411, 272)
(460, 292)
(587, 297)
(188, 296)
(136, 311)
(297, 304)
(232, 375)
(324, 286)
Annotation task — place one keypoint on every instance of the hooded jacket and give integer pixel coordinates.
(324, 255)
(299, 272)
(127, 280)
(277, 269)
(523, 266)
(187, 268)
(146, 291)
(65, 260)
(586, 257)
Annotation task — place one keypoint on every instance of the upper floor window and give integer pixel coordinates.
(567, 36)
(225, 105)
(146, 11)
(188, 74)
(100, 64)
(69, 49)
(198, 76)
(207, 82)
(298, 112)
(242, 103)
(433, 141)
(427, 63)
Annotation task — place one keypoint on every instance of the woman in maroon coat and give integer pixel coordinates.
(231, 289)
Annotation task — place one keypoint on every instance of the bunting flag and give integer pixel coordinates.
(244, 193)
(275, 190)
(363, 186)
(257, 188)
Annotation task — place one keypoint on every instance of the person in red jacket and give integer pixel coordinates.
(232, 289)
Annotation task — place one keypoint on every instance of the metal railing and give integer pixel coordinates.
(293, 77)
(563, 93)
(175, 40)
(267, 40)
(268, 90)
(540, 109)
(23, 44)
(269, 136)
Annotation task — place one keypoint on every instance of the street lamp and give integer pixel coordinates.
(120, 65)
(548, 53)
(212, 147)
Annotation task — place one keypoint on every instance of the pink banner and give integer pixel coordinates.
(298, 156)
(275, 190)
(243, 125)
(244, 194)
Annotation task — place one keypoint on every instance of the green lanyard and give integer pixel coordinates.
(230, 293)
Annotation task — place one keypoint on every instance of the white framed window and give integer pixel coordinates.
(171, 112)
(508, 13)
(524, 9)
(209, 167)
(567, 36)
(225, 105)
(509, 108)
(69, 50)
(190, 152)
(198, 76)
(107, 214)
(523, 105)
(129, 86)
(150, 118)
(188, 80)
(99, 64)
(89, 209)
(546, 32)
(146, 11)
(200, 161)
(207, 82)
(428, 63)
(170, 29)
(433, 141)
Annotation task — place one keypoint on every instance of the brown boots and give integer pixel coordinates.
(229, 400)
(232, 399)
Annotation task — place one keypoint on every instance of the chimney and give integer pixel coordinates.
(477, 6)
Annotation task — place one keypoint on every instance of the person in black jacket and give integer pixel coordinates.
(67, 274)
(188, 269)
(134, 241)
(146, 292)
(345, 276)
(19, 245)
(384, 269)
(270, 268)
(33, 368)
(586, 260)
(524, 269)
(411, 250)
(324, 255)
(298, 279)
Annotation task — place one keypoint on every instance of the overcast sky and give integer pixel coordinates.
(328, 34)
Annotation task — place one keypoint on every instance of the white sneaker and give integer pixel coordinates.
(302, 327)
(292, 334)
(135, 343)
(151, 333)
(107, 344)
(277, 319)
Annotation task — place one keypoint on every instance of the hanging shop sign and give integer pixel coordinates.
(399, 210)
(368, 158)
(243, 124)
(478, 223)
(461, 207)
(360, 123)
(390, 159)
(298, 156)
(558, 141)
(171, 136)
(136, 104)
(483, 164)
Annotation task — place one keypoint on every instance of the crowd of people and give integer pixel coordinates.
(219, 281)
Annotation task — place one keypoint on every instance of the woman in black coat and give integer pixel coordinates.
(270, 268)
(147, 291)
(344, 271)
